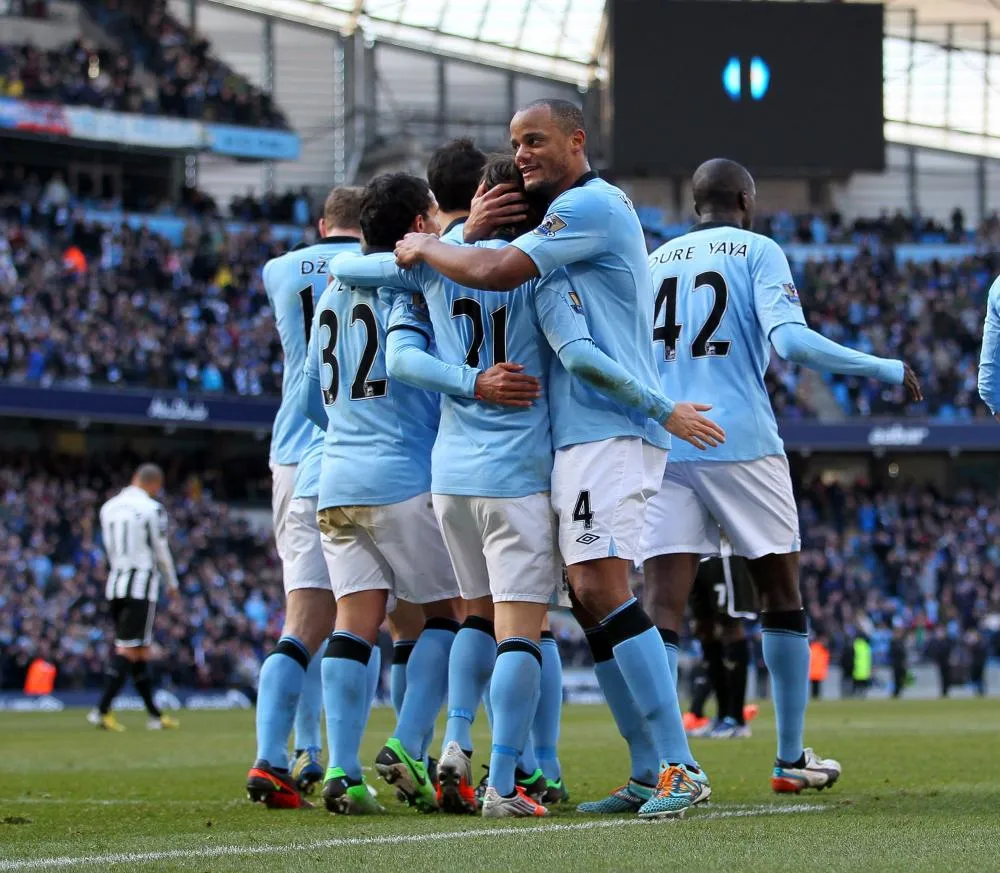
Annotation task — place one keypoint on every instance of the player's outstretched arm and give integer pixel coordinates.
(796, 342)
(587, 362)
(989, 358)
(408, 359)
(502, 269)
(372, 271)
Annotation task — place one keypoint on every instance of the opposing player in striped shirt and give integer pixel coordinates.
(134, 533)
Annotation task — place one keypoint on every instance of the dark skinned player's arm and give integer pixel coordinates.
(502, 269)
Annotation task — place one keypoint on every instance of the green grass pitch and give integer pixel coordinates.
(920, 791)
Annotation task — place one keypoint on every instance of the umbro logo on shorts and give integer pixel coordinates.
(587, 539)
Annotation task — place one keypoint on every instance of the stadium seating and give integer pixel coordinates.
(53, 568)
(200, 322)
(870, 560)
(167, 71)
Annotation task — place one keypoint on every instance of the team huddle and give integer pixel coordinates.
(485, 374)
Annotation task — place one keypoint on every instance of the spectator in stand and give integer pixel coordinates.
(184, 80)
(191, 82)
(931, 314)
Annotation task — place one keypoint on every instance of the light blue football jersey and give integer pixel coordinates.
(307, 471)
(482, 450)
(592, 230)
(989, 358)
(293, 283)
(721, 290)
(454, 232)
(377, 448)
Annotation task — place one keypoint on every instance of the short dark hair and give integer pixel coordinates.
(567, 116)
(500, 169)
(343, 208)
(453, 173)
(148, 473)
(389, 206)
(718, 184)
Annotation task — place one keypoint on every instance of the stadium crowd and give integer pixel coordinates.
(200, 320)
(166, 70)
(928, 314)
(53, 571)
(92, 307)
(871, 562)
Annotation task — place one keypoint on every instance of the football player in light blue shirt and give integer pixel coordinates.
(592, 231)
(488, 460)
(293, 283)
(380, 536)
(453, 172)
(989, 358)
(724, 296)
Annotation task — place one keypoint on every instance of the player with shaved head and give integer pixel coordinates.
(724, 297)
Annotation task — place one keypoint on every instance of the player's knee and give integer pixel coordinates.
(600, 586)
(450, 609)
(780, 596)
(478, 607)
(310, 616)
(133, 653)
(406, 621)
(732, 632)
(362, 614)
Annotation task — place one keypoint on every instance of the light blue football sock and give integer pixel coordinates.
(401, 651)
(308, 731)
(545, 727)
(786, 654)
(514, 694)
(642, 659)
(281, 678)
(426, 684)
(470, 666)
(347, 686)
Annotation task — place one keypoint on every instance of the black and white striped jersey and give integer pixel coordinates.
(134, 528)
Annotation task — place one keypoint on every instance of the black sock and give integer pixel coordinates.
(114, 678)
(712, 653)
(701, 687)
(144, 685)
(736, 660)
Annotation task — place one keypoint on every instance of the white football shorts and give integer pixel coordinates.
(302, 563)
(282, 488)
(599, 494)
(396, 547)
(751, 501)
(504, 547)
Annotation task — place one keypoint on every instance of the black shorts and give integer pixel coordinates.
(133, 622)
(723, 589)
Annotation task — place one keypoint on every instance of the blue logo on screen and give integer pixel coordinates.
(759, 75)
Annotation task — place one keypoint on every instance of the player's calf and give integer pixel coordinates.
(514, 693)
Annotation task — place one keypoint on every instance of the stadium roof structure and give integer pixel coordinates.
(942, 57)
(552, 38)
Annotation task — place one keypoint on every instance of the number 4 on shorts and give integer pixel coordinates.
(582, 511)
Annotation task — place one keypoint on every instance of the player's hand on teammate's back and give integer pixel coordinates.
(505, 384)
(687, 422)
(912, 384)
(501, 205)
(410, 249)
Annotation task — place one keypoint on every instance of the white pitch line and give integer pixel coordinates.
(21, 864)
